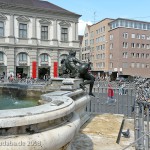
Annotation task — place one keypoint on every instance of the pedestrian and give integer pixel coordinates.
(120, 88)
(110, 98)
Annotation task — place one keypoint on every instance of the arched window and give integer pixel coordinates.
(44, 57)
(1, 28)
(1, 56)
(22, 57)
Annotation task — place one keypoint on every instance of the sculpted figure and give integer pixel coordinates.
(80, 69)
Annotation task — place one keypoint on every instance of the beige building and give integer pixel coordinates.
(34, 36)
(118, 47)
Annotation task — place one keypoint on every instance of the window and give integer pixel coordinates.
(22, 57)
(144, 26)
(125, 65)
(86, 35)
(44, 32)
(130, 24)
(111, 65)
(138, 36)
(147, 46)
(103, 28)
(138, 65)
(147, 66)
(22, 30)
(92, 34)
(64, 34)
(125, 55)
(142, 65)
(132, 65)
(147, 56)
(148, 37)
(143, 46)
(137, 55)
(111, 37)
(138, 45)
(133, 45)
(132, 35)
(44, 58)
(125, 35)
(86, 42)
(1, 28)
(110, 55)
(103, 56)
(1, 56)
(133, 55)
(125, 45)
(143, 37)
(142, 55)
(111, 46)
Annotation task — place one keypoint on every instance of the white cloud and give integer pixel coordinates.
(81, 26)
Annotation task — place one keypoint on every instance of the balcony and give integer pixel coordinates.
(44, 63)
(22, 63)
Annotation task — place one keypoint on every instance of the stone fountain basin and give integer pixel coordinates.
(36, 114)
(54, 125)
(51, 126)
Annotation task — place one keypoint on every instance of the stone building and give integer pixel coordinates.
(120, 47)
(34, 36)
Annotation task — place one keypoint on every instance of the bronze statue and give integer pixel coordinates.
(75, 68)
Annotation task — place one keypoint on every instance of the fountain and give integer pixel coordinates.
(49, 126)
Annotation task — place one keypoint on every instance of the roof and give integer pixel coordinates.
(37, 4)
(128, 20)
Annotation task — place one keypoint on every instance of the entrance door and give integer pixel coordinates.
(19, 71)
(42, 72)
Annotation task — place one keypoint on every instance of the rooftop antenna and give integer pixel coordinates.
(94, 16)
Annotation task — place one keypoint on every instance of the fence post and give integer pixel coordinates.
(136, 124)
(147, 129)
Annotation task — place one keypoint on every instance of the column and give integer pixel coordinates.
(76, 31)
(34, 35)
(11, 66)
(55, 30)
(11, 36)
(73, 31)
(34, 28)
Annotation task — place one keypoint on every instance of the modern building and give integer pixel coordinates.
(34, 36)
(118, 47)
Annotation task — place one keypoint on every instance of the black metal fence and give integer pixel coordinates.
(124, 103)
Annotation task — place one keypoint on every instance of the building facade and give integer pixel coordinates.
(34, 37)
(121, 47)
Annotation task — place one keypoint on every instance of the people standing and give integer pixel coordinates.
(120, 88)
(110, 98)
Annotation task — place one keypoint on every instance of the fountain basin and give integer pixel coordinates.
(51, 126)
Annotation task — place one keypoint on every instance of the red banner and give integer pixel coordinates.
(55, 69)
(34, 69)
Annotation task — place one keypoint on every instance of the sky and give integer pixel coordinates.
(93, 11)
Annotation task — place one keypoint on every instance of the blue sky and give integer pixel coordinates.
(131, 9)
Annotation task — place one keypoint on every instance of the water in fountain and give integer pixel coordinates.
(14, 100)
(9, 102)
